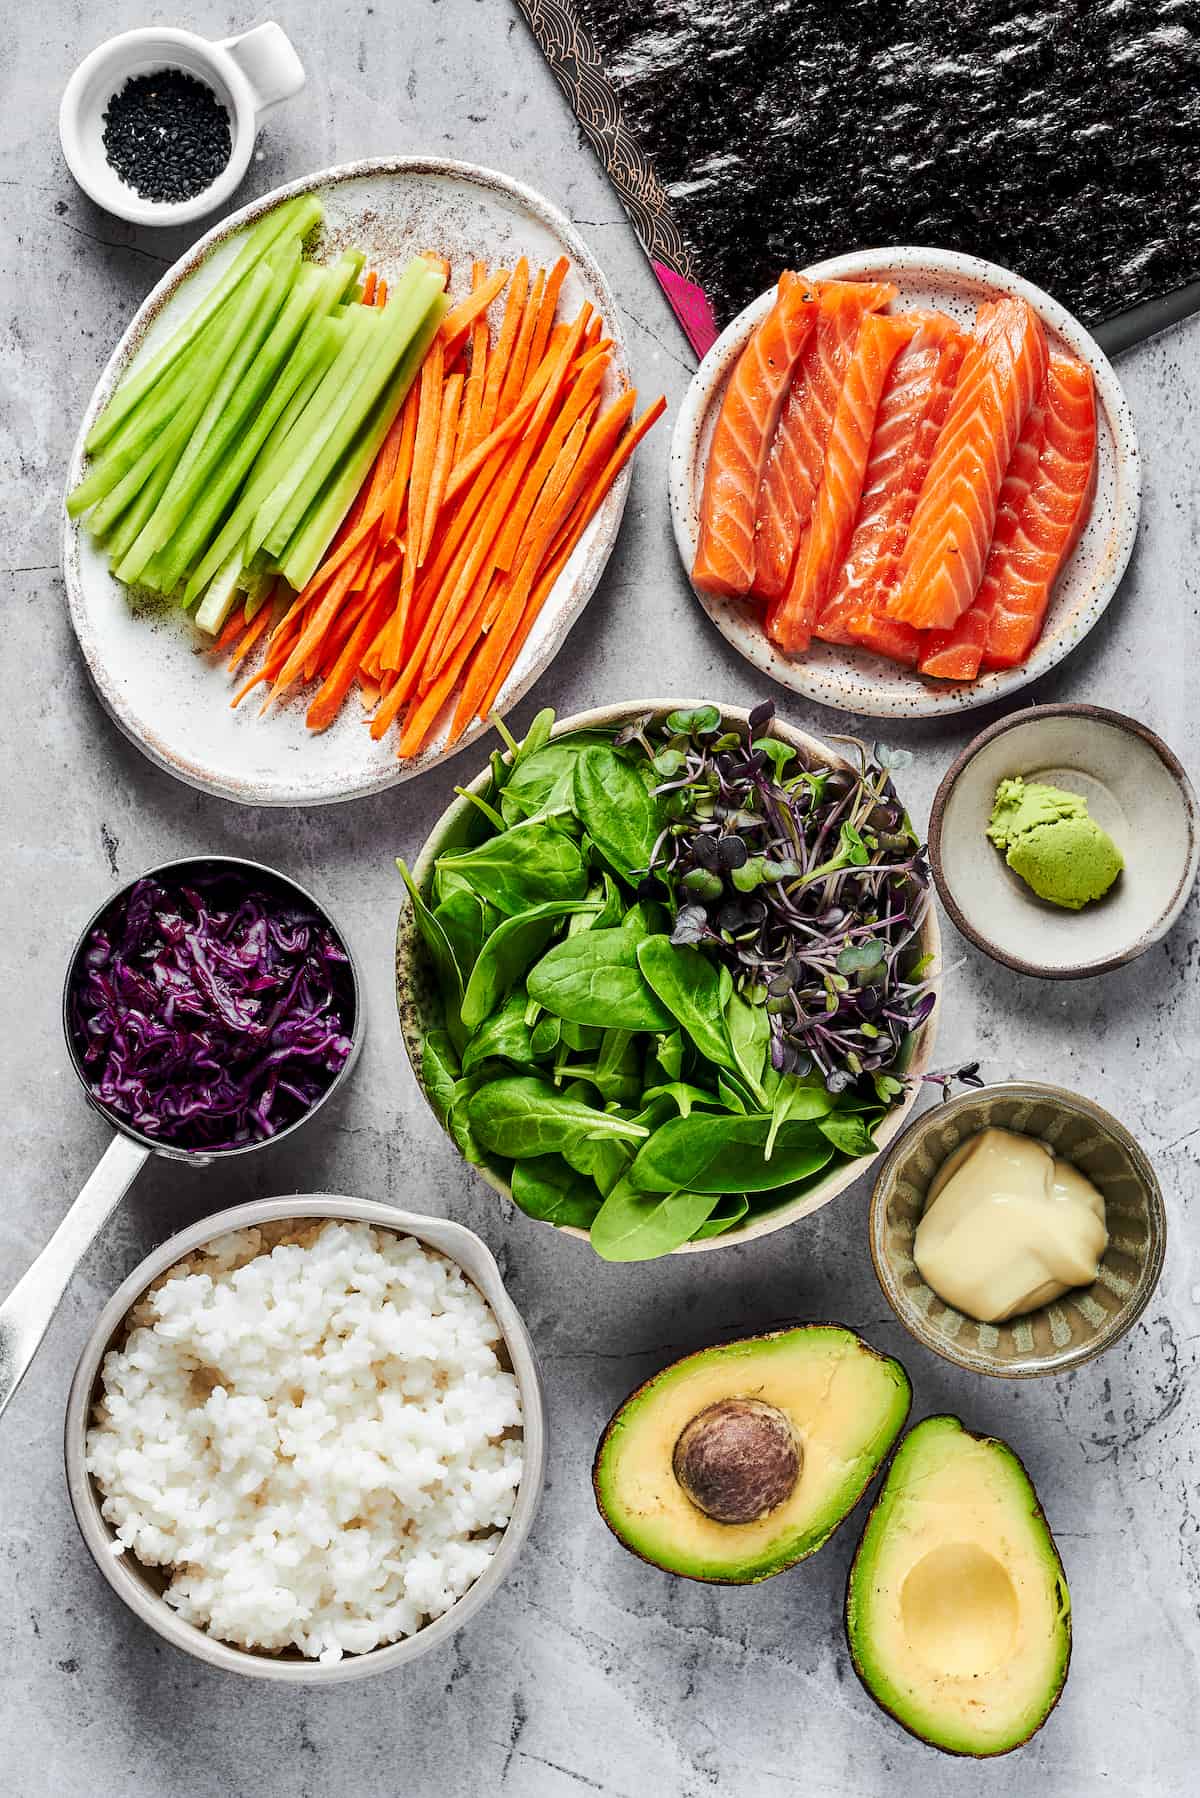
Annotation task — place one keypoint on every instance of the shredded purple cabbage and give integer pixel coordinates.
(211, 1013)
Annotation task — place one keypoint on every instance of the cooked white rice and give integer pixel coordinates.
(311, 1427)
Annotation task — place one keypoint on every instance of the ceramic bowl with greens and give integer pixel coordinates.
(667, 973)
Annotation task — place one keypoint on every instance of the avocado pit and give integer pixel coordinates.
(737, 1460)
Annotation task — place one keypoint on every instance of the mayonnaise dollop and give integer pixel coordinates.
(1007, 1228)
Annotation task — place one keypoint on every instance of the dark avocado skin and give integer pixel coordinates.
(759, 1336)
(958, 1753)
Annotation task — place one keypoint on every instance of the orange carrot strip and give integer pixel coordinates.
(457, 323)
(499, 360)
(327, 702)
(394, 503)
(541, 335)
(481, 681)
(254, 631)
(424, 450)
(368, 292)
(577, 402)
(368, 692)
(473, 393)
(235, 624)
(315, 627)
(442, 456)
(514, 374)
(424, 715)
(381, 293)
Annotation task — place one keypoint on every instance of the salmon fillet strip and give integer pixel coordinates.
(943, 558)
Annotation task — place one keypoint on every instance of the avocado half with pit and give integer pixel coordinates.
(740, 1460)
(957, 1609)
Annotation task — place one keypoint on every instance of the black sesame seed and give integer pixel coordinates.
(167, 135)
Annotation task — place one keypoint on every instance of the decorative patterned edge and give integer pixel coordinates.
(577, 66)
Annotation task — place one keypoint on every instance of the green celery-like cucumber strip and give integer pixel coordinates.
(365, 329)
(312, 296)
(169, 444)
(219, 600)
(306, 550)
(232, 533)
(196, 551)
(418, 289)
(123, 525)
(296, 217)
(261, 299)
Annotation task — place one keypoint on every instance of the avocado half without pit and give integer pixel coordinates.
(735, 1462)
(957, 1609)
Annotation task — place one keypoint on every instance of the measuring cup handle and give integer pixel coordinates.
(267, 58)
(34, 1299)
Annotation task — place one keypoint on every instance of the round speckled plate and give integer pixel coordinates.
(149, 663)
(854, 680)
(1082, 1323)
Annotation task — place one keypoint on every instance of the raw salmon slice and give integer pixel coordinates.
(1044, 505)
(741, 440)
(793, 473)
(941, 564)
(822, 546)
(911, 414)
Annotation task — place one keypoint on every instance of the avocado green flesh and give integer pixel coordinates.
(957, 1611)
(846, 1404)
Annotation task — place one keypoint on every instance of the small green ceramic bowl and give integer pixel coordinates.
(1081, 1324)
(420, 1004)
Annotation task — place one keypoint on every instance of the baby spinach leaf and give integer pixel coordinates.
(529, 865)
(850, 1132)
(441, 954)
(602, 1159)
(609, 905)
(725, 1154)
(544, 780)
(618, 1071)
(581, 1039)
(733, 1095)
(795, 1100)
(690, 987)
(506, 956)
(614, 806)
(668, 1054)
(631, 1226)
(464, 918)
(546, 1187)
(504, 1036)
(543, 1038)
(646, 918)
(524, 1116)
(595, 979)
(440, 1071)
(727, 1212)
(683, 1096)
(749, 1030)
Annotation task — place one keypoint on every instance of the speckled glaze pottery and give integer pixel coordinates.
(853, 680)
(1080, 1325)
(420, 1006)
(1135, 789)
(141, 1588)
(146, 659)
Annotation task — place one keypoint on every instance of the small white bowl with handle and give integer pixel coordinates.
(250, 75)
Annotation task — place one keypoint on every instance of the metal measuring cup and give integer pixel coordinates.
(29, 1307)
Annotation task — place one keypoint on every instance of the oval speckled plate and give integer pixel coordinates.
(854, 680)
(148, 662)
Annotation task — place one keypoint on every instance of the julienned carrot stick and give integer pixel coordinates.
(235, 624)
(394, 503)
(473, 392)
(514, 374)
(278, 649)
(498, 360)
(368, 292)
(323, 614)
(253, 632)
(577, 402)
(424, 449)
(381, 293)
(327, 702)
(442, 456)
(425, 713)
(458, 321)
(542, 329)
(480, 680)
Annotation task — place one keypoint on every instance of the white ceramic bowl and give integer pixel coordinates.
(854, 680)
(420, 1005)
(141, 1587)
(1135, 789)
(148, 662)
(250, 75)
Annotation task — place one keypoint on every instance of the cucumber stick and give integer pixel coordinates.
(316, 456)
(294, 218)
(304, 552)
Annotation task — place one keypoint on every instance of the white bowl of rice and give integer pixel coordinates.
(306, 1439)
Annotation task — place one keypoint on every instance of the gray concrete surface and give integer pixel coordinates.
(590, 1673)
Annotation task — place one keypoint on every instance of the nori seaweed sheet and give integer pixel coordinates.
(1061, 139)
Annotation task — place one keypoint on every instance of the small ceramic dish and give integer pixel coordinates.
(147, 660)
(1081, 1324)
(1136, 790)
(420, 1005)
(250, 75)
(853, 680)
(141, 1587)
